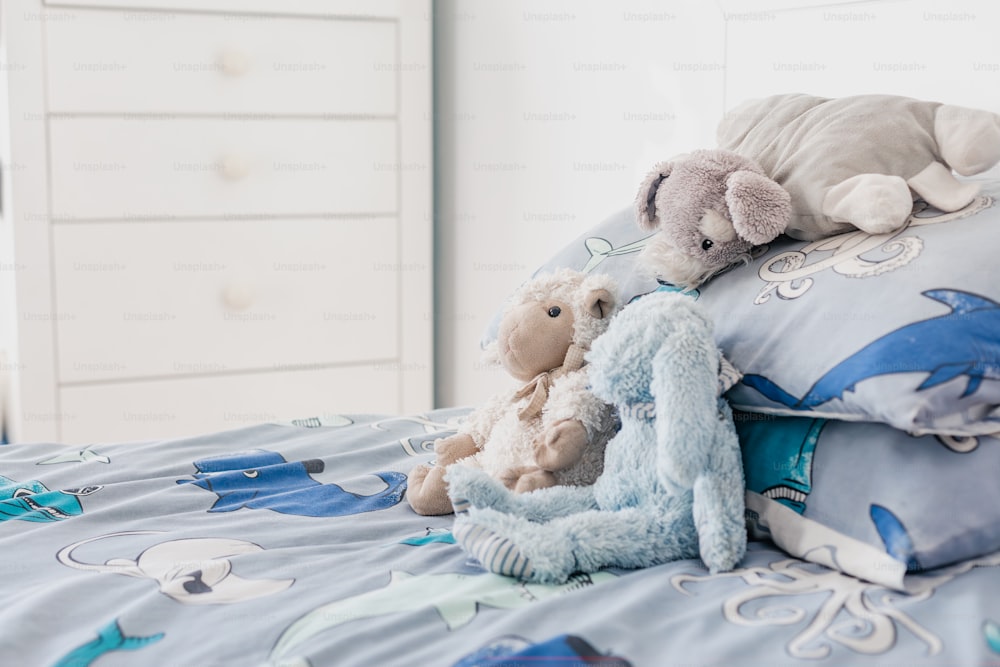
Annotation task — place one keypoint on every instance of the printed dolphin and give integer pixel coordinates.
(941, 347)
(109, 638)
(262, 479)
(456, 597)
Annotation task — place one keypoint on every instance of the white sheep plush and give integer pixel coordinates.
(552, 430)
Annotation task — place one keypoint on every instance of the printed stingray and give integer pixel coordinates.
(261, 479)
(194, 571)
(960, 343)
(32, 501)
(515, 651)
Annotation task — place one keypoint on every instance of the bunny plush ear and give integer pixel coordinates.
(645, 199)
(760, 208)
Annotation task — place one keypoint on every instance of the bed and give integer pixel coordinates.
(291, 543)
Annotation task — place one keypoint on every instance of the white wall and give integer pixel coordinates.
(549, 112)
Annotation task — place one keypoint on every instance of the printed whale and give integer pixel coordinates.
(261, 479)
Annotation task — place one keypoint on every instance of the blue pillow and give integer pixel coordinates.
(899, 328)
(868, 499)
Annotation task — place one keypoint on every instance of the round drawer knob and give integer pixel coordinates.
(233, 168)
(234, 62)
(238, 297)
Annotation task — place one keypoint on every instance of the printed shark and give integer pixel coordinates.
(109, 638)
(991, 631)
(939, 346)
(517, 652)
(600, 249)
(895, 537)
(778, 456)
(261, 479)
(32, 501)
(76, 456)
(430, 536)
(456, 597)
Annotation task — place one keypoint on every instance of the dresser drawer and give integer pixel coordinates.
(390, 9)
(193, 406)
(166, 62)
(128, 167)
(162, 299)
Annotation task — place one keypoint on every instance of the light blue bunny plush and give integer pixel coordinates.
(672, 485)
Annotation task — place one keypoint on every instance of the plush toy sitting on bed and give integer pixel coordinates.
(672, 485)
(836, 164)
(553, 429)
(857, 161)
(711, 207)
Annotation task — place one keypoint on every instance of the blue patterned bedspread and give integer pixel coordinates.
(292, 544)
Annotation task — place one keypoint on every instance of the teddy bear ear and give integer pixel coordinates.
(645, 199)
(759, 208)
(600, 302)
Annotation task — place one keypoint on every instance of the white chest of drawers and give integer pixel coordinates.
(215, 213)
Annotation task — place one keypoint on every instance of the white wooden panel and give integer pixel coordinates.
(182, 407)
(28, 309)
(160, 299)
(130, 167)
(380, 8)
(919, 48)
(417, 227)
(208, 63)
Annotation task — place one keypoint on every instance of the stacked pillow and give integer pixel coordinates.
(871, 385)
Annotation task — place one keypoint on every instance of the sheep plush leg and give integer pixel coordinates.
(874, 203)
(472, 487)
(719, 519)
(941, 189)
(550, 552)
(427, 492)
(969, 139)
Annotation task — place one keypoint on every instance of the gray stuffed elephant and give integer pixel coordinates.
(856, 162)
(711, 208)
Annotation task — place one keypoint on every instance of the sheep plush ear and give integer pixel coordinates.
(645, 199)
(600, 302)
(759, 208)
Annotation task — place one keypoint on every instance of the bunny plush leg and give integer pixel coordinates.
(472, 487)
(874, 203)
(719, 519)
(968, 139)
(550, 552)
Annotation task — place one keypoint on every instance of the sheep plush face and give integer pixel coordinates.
(711, 208)
(534, 337)
(546, 317)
